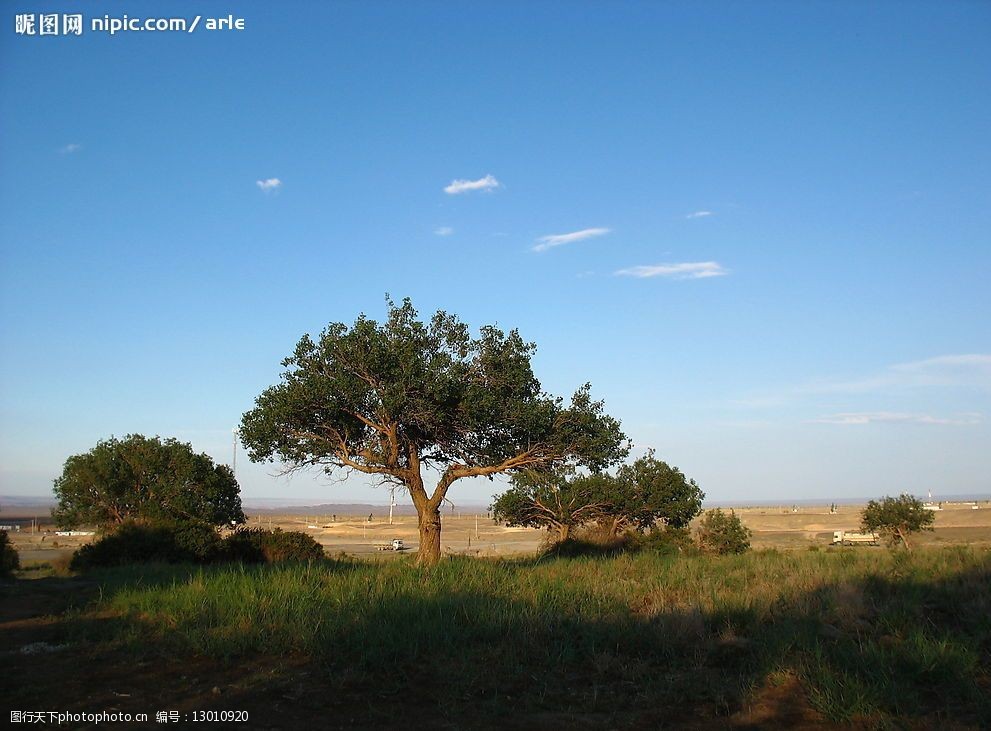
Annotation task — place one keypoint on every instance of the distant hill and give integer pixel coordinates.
(31, 505)
(275, 506)
(17, 501)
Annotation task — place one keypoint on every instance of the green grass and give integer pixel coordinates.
(874, 636)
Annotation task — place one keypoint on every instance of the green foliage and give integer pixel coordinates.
(640, 496)
(392, 398)
(256, 545)
(142, 478)
(667, 541)
(548, 500)
(894, 518)
(722, 533)
(160, 542)
(649, 491)
(187, 542)
(198, 540)
(9, 560)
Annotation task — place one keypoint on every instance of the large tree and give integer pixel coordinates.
(405, 399)
(896, 517)
(145, 479)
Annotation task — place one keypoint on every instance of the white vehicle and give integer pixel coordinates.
(850, 538)
(396, 545)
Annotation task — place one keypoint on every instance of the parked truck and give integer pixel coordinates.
(396, 545)
(852, 538)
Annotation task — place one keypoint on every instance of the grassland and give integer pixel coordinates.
(798, 639)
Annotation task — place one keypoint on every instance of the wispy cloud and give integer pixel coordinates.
(549, 242)
(681, 270)
(860, 418)
(465, 186)
(70, 148)
(954, 372)
(972, 369)
(443, 230)
(969, 360)
(699, 214)
(269, 184)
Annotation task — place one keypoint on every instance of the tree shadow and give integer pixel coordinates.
(897, 646)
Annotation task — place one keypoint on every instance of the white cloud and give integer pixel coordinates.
(464, 186)
(269, 184)
(549, 242)
(894, 417)
(699, 214)
(70, 148)
(443, 230)
(682, 270)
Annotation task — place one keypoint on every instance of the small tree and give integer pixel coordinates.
(138, 478)
(646, 492)
(723, 533)
(547, 500)
(896, 517)
(404, 398)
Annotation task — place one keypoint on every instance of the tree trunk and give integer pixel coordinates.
(429, 553)
(901, 534)
(563, 531)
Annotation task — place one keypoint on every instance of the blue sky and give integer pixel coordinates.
(761, 230)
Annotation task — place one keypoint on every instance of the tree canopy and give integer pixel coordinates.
(398, 398)
(649, 491)
(140, 478)
(550, 500)
(639, 496)
(896, 517)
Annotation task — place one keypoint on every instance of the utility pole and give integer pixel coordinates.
(234, 452)
(392, 502)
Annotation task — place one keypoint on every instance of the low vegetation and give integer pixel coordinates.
(875, 637)
(256, 545)
(722, 533)
(189, 542)
(9, 560)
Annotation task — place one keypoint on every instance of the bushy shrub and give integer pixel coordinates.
(723, 533)
(666, 541)
(256, 545)
(590, 540)
(576, 547)
(148, 542)
(193, 543)
(9, 560)
(600, 540)
(199, 540)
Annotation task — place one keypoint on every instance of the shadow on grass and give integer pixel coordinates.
(364, 644)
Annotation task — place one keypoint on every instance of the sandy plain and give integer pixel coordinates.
(475, 533)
